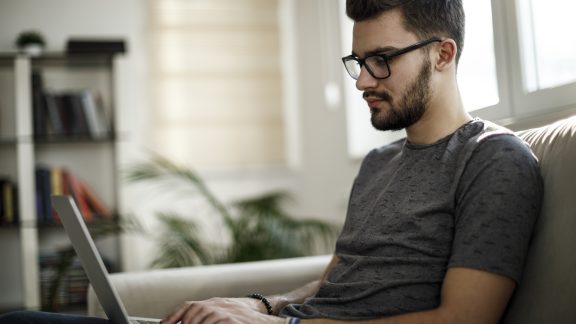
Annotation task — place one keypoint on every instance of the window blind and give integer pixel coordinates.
(216, 83)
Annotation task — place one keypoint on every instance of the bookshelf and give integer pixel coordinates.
(92, 157)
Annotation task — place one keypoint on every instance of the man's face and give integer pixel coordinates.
(400, 100)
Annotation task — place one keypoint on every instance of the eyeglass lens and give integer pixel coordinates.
(377, 66)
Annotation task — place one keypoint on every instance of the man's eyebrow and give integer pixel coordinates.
(376, 51)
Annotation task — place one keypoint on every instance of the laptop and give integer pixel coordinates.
(92, 262)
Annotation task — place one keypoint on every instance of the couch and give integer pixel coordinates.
(547, 293)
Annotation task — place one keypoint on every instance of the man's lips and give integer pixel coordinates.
(373, 102)
(375, 99)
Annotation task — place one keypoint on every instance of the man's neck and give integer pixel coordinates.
(442, 118)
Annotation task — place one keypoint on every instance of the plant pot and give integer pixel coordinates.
(32, 49)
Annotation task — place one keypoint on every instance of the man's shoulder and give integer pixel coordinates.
(491, 129)
(494, 137)
(498, 149)
(490, 138)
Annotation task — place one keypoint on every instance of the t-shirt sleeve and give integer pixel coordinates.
(498, 200)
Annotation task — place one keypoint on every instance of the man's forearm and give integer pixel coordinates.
(424, 317)
(469, 296)
(296, 296)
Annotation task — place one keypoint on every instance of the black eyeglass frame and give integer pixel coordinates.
(386, 57)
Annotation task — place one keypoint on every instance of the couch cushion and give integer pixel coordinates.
(547, 293)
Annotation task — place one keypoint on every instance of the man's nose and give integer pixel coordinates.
(365, 80)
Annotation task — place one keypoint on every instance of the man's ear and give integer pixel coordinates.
(446, 54)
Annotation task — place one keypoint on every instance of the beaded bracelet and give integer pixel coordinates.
(292, 320)
(264, 301)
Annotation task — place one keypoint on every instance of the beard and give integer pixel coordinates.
(411, 106)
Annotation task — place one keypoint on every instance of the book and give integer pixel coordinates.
(72, 115)
(43, 190)
(56, 181)
(76, 191)
(94, 113)
(38, 105)
(56, 188)
(52, 103)
(97, 205)
(8, 202)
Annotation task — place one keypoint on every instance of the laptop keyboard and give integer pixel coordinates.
(144, 322)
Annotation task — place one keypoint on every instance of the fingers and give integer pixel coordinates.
(194, 313)
(199, 313)
(215, 311)
(177, 314)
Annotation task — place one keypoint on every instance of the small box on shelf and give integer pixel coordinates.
(75, 46)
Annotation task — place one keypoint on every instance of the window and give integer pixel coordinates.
(548, 43)
(217, 83)
(477, 68)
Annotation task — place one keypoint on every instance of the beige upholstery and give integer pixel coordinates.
(546, 295)
(155, 293)
(548, 290)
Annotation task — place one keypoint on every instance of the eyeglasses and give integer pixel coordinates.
(379, 65)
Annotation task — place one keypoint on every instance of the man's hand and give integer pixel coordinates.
(222, 311)
(242, 310)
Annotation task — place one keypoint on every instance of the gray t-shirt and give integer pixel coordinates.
(468, 200)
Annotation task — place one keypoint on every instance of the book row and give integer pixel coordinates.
(51, 181)
(60, 181)
(72, 285)
(67, 114)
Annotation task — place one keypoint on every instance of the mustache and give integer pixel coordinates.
(385, 96)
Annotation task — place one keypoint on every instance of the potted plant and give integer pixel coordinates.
(30, 42)
(257, 228)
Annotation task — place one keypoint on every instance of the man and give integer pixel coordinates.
(438, 224)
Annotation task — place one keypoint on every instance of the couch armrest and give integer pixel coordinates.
(156, 293)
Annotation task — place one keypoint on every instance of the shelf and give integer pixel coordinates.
(9, 227)
(80, 139)
(62, 59)
(83, 139)
(8, 141)
(93, 160)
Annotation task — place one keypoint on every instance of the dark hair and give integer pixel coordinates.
(425, 18)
